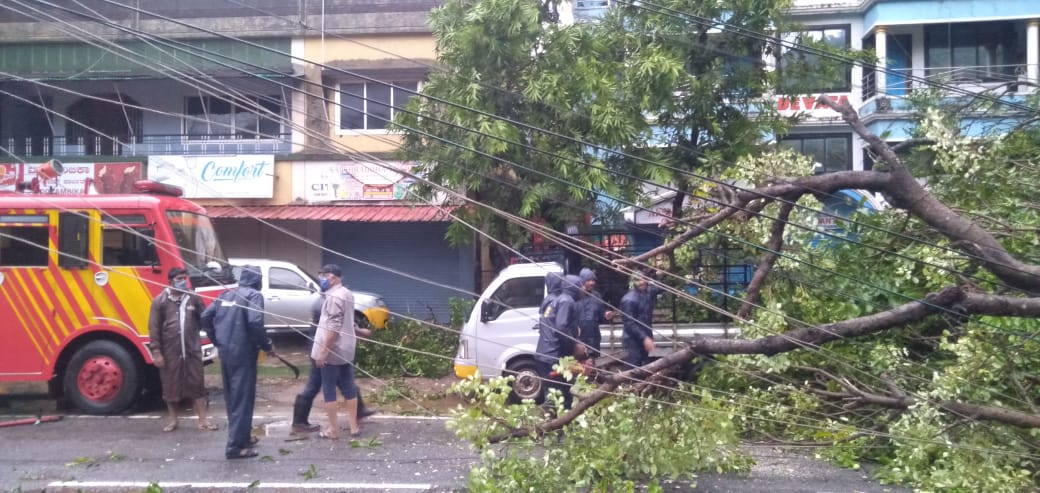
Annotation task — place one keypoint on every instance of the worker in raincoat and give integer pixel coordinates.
(235, 323)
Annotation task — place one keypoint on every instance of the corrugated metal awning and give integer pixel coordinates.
(343, 213)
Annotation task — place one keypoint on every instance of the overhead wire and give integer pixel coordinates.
(825, 233)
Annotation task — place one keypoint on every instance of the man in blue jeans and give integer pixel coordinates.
(235, 324)
(335, 343)
(305, 399)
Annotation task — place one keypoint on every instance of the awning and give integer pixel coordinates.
(344, 213)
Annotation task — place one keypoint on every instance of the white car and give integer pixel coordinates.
(290, 295)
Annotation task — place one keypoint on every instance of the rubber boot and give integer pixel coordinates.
(362, 411)
(301, 413)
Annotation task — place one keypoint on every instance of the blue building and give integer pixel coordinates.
(962, 47)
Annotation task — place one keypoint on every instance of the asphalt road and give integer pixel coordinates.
(395, 453)
(81, 453)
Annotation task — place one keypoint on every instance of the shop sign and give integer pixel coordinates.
(355, 180)
(72, 178)
(242, 176)
(809, 104)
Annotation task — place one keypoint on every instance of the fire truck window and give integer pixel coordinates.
(127, 247)
(23, 246)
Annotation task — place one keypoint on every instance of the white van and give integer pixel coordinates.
(501, 334)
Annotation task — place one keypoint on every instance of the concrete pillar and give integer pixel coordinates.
(1033, 51)
(881, 47)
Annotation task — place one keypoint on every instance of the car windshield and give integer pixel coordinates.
(199, 248)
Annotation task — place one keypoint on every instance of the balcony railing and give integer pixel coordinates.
(899, 82)
(145, 145)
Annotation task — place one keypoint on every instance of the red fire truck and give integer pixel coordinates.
(77, 276)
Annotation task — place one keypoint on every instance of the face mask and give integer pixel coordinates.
(181, 285)
(323, 283)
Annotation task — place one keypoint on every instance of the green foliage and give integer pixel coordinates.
(460, 310)
(675, 92)
(395, 390)
(624, 441)
(428, 353)
(656, 85)
(979, 360)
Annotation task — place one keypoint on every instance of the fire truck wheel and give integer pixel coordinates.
(102, 378)
(527, 383)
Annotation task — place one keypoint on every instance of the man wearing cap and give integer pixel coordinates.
(235, 323)
(305, 399)
(333, 352)
(591, 311)
(173, 326)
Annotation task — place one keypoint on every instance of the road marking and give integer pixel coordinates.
(140, 485)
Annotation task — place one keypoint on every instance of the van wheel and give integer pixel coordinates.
(527, 383)
(102, 378)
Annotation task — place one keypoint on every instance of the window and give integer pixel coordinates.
(974, 51)
(250, 118)
(521, 292)
(585, 10)
(279, 278)
(808, 71)
(195, 239)
(126, 240)
(24, 245)
(372, 105)
(833, 152)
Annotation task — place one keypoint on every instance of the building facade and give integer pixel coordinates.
(271, 114)
(957, 47)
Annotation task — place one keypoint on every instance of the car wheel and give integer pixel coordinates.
(102, 378)
(527, 382)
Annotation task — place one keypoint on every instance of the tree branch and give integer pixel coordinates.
(790, 190)
(899, 400)
(905, 192)
(765, 265)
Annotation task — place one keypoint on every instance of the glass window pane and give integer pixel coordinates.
(937, 47)
(270, 126)
(403, 93)
(245, 123)
(194, 106)
(286, 279)
(352, 106)
(24, 246)
(835, 38)
(837, 154)
(195, 124)
(962, 39)
(814, 148)
(378, 105)
(793, 144)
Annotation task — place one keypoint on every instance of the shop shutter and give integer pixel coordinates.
(418, 249)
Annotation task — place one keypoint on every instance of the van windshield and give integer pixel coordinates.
(199, 248)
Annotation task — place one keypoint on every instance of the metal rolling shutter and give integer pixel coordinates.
(418, 249)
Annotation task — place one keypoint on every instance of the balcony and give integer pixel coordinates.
(981, 78)
(146, 145)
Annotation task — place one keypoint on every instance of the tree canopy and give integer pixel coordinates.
(910, 339)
